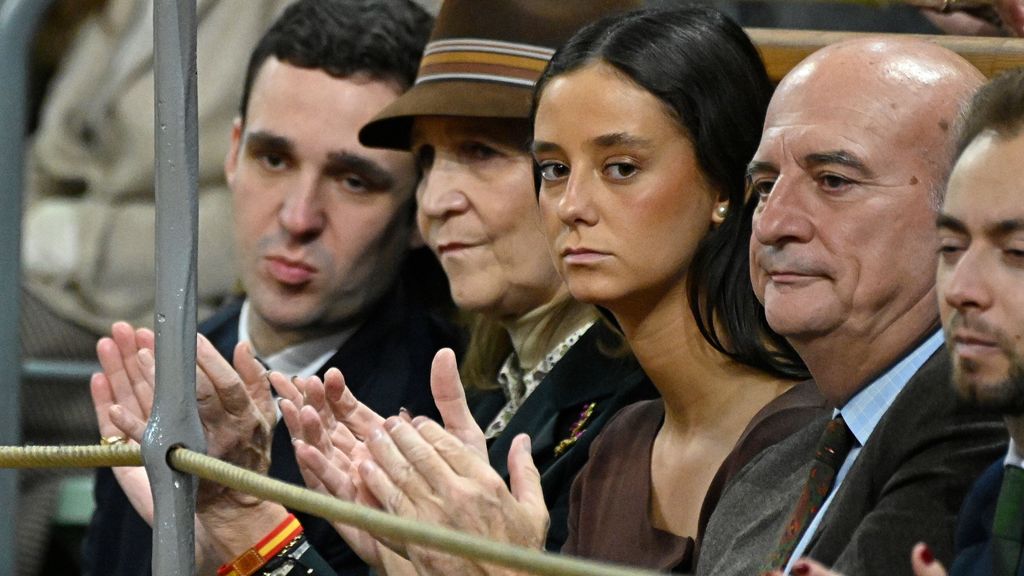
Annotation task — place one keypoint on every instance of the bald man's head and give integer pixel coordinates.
(909, 91)
(857, 143)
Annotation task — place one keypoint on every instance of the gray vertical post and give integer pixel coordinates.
(18, 20)
(174, 420)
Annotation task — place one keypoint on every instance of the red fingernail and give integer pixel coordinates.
(800, 569)
(926, 555)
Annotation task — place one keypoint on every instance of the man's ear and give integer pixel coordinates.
(231, 160)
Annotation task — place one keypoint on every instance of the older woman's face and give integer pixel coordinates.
(477, 211)
(623, 201)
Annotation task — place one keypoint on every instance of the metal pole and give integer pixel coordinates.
(174, 420)
(18, 21)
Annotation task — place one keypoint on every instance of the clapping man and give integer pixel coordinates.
(322, 227)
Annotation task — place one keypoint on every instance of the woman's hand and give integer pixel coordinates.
(421, 471)
(327, 468)
(334, 435)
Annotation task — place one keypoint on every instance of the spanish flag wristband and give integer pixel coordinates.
(272, 544)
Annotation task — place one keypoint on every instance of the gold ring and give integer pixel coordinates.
(112, 440)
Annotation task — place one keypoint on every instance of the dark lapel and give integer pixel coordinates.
(861, 487)
(920, 461)
(974, 525)
(386, 364)
(221, 329)
(584, 375)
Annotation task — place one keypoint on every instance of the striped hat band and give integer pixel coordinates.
(483, 60)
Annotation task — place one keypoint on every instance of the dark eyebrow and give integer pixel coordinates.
(1006, 227)
(602, 141)
(621, 139)
(542, 147)
(841, 157)
(338, 163)
(997, 229)
(377, 178)
(947, 222)
(757, 166)
(266, 140)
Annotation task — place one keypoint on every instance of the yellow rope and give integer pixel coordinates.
(297, 498)
(69, 456)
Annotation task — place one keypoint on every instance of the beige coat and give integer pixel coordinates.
(88, 240)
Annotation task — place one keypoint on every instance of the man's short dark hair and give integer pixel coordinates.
(378, 39)
(998, 106)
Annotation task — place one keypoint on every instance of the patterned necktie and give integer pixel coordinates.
(1008, 526)
(833, 448)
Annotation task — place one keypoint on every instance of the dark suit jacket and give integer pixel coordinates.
(386, 364)
(906, 486)
(584, 375)
(974, 527)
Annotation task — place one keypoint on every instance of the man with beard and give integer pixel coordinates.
(980, 279)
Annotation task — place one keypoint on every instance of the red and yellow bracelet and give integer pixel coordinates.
(248, 562)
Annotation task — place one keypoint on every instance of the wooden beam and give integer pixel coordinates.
(784, 49)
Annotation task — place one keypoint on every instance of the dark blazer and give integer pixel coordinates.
(386, 364)
(974, 527)
(584, 375)
(906, 486)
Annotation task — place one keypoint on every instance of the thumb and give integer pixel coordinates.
(924, 561)
(450, 399)
(524, 481)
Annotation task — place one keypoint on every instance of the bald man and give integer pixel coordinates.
(856, 149)
(981, 234)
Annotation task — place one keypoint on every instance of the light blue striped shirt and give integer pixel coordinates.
(862, 414)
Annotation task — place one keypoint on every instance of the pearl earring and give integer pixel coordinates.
(722, 210)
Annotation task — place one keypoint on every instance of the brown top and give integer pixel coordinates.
(609, 513)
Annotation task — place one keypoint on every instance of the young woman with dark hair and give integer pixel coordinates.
(643, 128)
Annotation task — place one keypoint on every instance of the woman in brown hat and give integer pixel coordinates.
(644, 125)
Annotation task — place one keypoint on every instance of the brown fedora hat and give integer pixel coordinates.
(483, 59)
